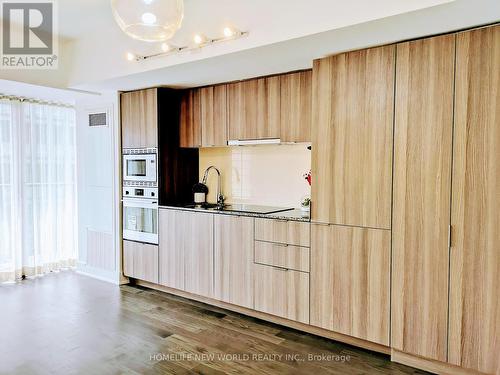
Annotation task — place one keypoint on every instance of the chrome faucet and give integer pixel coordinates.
(220, 197)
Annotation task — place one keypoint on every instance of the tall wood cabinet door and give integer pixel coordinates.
(214, 116)
(140, 261)
(350, 281)
(296, 106)
(171, 249)
(422, 188)
(190, 119)
(353, 104)
(254, 109)
(474, 340)
(139, 118)
(198, 252)
(234, 243)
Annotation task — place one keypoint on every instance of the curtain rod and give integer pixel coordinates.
(36, 101)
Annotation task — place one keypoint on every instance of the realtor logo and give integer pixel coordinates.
(29, 39)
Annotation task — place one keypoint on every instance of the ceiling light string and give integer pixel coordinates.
(200, 41)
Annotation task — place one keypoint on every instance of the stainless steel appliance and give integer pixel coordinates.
(140, 167)
(140, 214)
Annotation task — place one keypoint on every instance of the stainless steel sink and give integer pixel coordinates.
(208, 206)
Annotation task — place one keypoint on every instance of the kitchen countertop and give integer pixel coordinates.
(293, 215)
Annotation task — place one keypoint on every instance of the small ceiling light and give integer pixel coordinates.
(130, 56)
(199, 39)
(229, 32)
(165, 47)
(148, 2)
(148, 18)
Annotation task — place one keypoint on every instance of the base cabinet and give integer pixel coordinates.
(282, 292)
(186, 251)
(234, 242)
(140, 261)
(350, 281)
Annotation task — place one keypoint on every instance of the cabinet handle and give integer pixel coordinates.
(281, 269)
(281, 244)
(449, 235)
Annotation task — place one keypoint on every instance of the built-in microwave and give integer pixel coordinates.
(140, 166)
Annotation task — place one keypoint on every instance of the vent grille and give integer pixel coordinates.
(98, 119)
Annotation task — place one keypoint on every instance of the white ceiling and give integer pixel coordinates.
(284, 35)
(99, 51)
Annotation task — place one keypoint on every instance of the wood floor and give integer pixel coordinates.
(69, 324)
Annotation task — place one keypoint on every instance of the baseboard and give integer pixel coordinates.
(430, 365)
(99, 274)
(274, 319)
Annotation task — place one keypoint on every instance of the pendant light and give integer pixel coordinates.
(149, 20)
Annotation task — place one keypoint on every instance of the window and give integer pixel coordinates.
(37, 188)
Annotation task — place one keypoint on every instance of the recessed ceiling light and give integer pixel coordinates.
(148, 18)
(199, 39)
(165, 47)
(130, 56)
(148, 2)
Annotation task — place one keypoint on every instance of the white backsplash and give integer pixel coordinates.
(267, 175)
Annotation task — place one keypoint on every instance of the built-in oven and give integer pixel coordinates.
(140, 166)
(140, 214)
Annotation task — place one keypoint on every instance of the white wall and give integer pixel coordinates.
(98, 184)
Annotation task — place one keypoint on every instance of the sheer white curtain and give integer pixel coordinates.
(37, 188)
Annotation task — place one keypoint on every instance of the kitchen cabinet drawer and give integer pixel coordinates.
(282, 292)
(140, 261)
(282, 231)
(282, 255)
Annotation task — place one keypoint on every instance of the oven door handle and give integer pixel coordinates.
(141, 203)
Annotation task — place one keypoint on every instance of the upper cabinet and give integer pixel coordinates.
(296, 106)
(474, 328)
(254, 109)
(353, 104)
(204, 117)
(213, 117)
(139, 118)
(422, 188)
(190, 119)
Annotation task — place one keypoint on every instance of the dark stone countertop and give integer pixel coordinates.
(293, 215)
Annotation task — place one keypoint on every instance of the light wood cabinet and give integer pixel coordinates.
(353, 104)
(234, 241)
(282, 255)
(254, 109)
(190, 119)
(282, 292)
(171, 249)
(474, 331)
(187, 251)
(213, 116)
(140, 261)
(296, 107)
(139, 118)
(422, 188)
(199, 253)
(350, 281)
(283, 231)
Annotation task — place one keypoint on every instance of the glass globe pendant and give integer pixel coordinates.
(149, 20)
